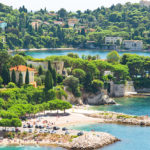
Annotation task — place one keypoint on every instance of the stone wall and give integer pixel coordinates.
(120, 90)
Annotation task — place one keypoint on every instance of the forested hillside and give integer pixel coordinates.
(130, 21)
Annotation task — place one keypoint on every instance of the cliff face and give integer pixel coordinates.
(97, 99)
(90, 98)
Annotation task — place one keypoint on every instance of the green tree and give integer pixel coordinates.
(13, 76)
(97, 85)
(5, 75)
(5, 123)
(27, 77)
(1, 81)
(113, 57)
(48, 81)
(18, 60)
(79, 73)
(54, 76)
(16, 122)
(40, 70)
(49, 66)
(2, 103)
(20, 82)
(73, 84)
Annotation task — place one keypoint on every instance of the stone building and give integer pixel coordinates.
(57, 65)
(113, 40)
(23, 70)
(133, 44)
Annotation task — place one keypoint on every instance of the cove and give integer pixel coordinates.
(132, 137)
(133, 106)
(101, 53)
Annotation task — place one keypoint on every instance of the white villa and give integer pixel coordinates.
(145, 3)
(133, 44)
(112, 40)
(3, 25)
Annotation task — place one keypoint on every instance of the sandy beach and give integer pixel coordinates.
(74, 116)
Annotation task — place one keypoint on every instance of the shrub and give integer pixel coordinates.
(11, 85)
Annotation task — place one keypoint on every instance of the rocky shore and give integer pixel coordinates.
(87, 141)
(92, 140)
(120, 118)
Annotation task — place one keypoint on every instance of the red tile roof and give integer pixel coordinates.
(21, 68)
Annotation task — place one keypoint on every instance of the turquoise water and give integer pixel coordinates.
(101, 53)
(30, 148)
(133, 106)
(132, 137)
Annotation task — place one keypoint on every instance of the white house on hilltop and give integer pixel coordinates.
(113, 40)
(145, 3)
(133, 44)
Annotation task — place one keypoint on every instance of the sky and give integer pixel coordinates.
(70, 5)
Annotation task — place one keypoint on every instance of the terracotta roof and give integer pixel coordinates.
(21, 68)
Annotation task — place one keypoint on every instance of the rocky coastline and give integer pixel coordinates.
(120, 118)
(88, 141)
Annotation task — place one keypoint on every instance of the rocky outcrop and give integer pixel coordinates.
(72, 99)
(91, 141)
(120, 118)
(97, 99)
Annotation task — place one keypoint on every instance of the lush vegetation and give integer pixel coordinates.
(130, 21)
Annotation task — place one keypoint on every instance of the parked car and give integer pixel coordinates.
(45, 131)
(56, 128)
(41, 131)
(67, 132)
(24, 126)
(13, 130)
(64, 129)
(30, 130)
(48, 127)
(30, 126)
(80, 133)
(53, 132)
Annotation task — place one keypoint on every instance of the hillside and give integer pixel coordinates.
(50, 29)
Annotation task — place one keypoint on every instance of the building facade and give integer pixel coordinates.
(3, 25)
(145, 3)
(133, 44)
(23, 70)
(113, 40)
(57, 65)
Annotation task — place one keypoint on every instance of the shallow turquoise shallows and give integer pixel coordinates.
(133, 106)
(101, 53)
(132, 137)
(30, 148)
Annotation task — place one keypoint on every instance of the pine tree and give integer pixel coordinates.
(13, 76)
(40, 70)
(83, 31)
(5, 75)
(49, 66)
(20, 82)
(54, 77)
(27, 77)
(48, 81)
